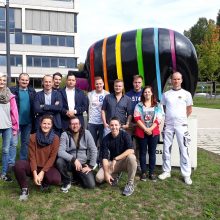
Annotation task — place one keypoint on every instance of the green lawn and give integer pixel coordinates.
(169, 199)
(206, 102)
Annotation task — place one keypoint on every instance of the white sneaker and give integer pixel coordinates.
(164, 176)
(187, 180)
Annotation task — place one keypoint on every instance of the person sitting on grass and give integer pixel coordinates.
(43, 148)
(77, 154)
(119, 144)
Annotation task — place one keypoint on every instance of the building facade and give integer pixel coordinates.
(43, 37)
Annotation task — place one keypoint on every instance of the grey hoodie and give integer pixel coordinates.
(87, 150)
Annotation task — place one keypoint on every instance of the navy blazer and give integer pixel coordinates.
(81, 105)
(41, 109)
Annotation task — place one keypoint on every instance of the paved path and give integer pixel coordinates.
(208, 128)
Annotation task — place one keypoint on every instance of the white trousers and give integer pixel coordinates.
(183, 140)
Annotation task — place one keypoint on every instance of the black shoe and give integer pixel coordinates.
(6, 178)
(143, 177)
(116, 179)
(24, 194)
(153, 177)
(65, 187)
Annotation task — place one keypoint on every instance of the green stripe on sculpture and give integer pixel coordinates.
(140, 54)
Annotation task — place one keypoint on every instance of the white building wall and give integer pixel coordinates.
(38, 50)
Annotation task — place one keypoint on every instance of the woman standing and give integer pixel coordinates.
(9, 122)
(148, 115)
(43, 148)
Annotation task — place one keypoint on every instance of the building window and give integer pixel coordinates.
(53, 40)
(61, 40)
(15, 60)
(28, 39)
(69, 41)
(36, 40)
(63, 62)
(18, 38)
(45, 40)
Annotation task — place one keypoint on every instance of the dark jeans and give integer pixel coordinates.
(97, 132)
(22, 170)
(87, 180)
(149, 143)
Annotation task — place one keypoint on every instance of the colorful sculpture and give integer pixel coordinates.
(152, 53)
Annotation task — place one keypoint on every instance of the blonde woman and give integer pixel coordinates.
(9, 124)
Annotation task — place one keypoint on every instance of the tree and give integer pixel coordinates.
(209, 54)
(80, 66)
(197, 32)
(218, 19)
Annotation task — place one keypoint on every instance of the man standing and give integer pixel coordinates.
(178, 106)
(57, 79)
(74, 101)
(119, 144)
(48, 102)
(96, 97)
(77, 153)
(117, 105)
(24, 95)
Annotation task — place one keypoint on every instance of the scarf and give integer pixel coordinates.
(5, 95)
(44, 140)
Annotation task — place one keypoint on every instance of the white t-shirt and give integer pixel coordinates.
(95, 106)
(176, 102)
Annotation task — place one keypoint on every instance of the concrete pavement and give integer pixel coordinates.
(208, 128)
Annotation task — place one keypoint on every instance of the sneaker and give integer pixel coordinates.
(65, 187)
(6, 178)
(116, 179)
(164, 176)
(153, 177)
(187, 180)
(143, 177)
(129, 189)
(24, 194)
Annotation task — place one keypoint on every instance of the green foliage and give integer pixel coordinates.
(205, 102)
(205, 35)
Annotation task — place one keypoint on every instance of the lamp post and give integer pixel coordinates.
(8, 43)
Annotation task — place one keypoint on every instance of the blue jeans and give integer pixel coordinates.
(25, 131)
(12, 149)
(149, 143)
(97, 132)
(6, 137)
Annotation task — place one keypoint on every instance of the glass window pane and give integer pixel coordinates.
(2, 37)
(18, 60)
(12, 60)
(12, 26)
(36, 40)
(28, 39)
(61, 41)
(45, 40)
(29, 61)
(2, 60)
(11, 14)
(54, 62)
(2, 25)
(62, 62)
(12, 38)
(18, 38)
(45, 62)
(70, 63)
(2, 14)
(37, 61)
(69, 41)
(53, 40)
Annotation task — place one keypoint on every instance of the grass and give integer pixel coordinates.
(169, 199)
(206, 102)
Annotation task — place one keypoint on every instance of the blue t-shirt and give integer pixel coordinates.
(24, 107)
(135, 97)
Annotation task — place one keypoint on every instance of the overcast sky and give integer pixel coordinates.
(98, 19)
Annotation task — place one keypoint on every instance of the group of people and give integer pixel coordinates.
(57, 149)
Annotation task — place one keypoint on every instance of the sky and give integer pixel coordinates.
(98, 19)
